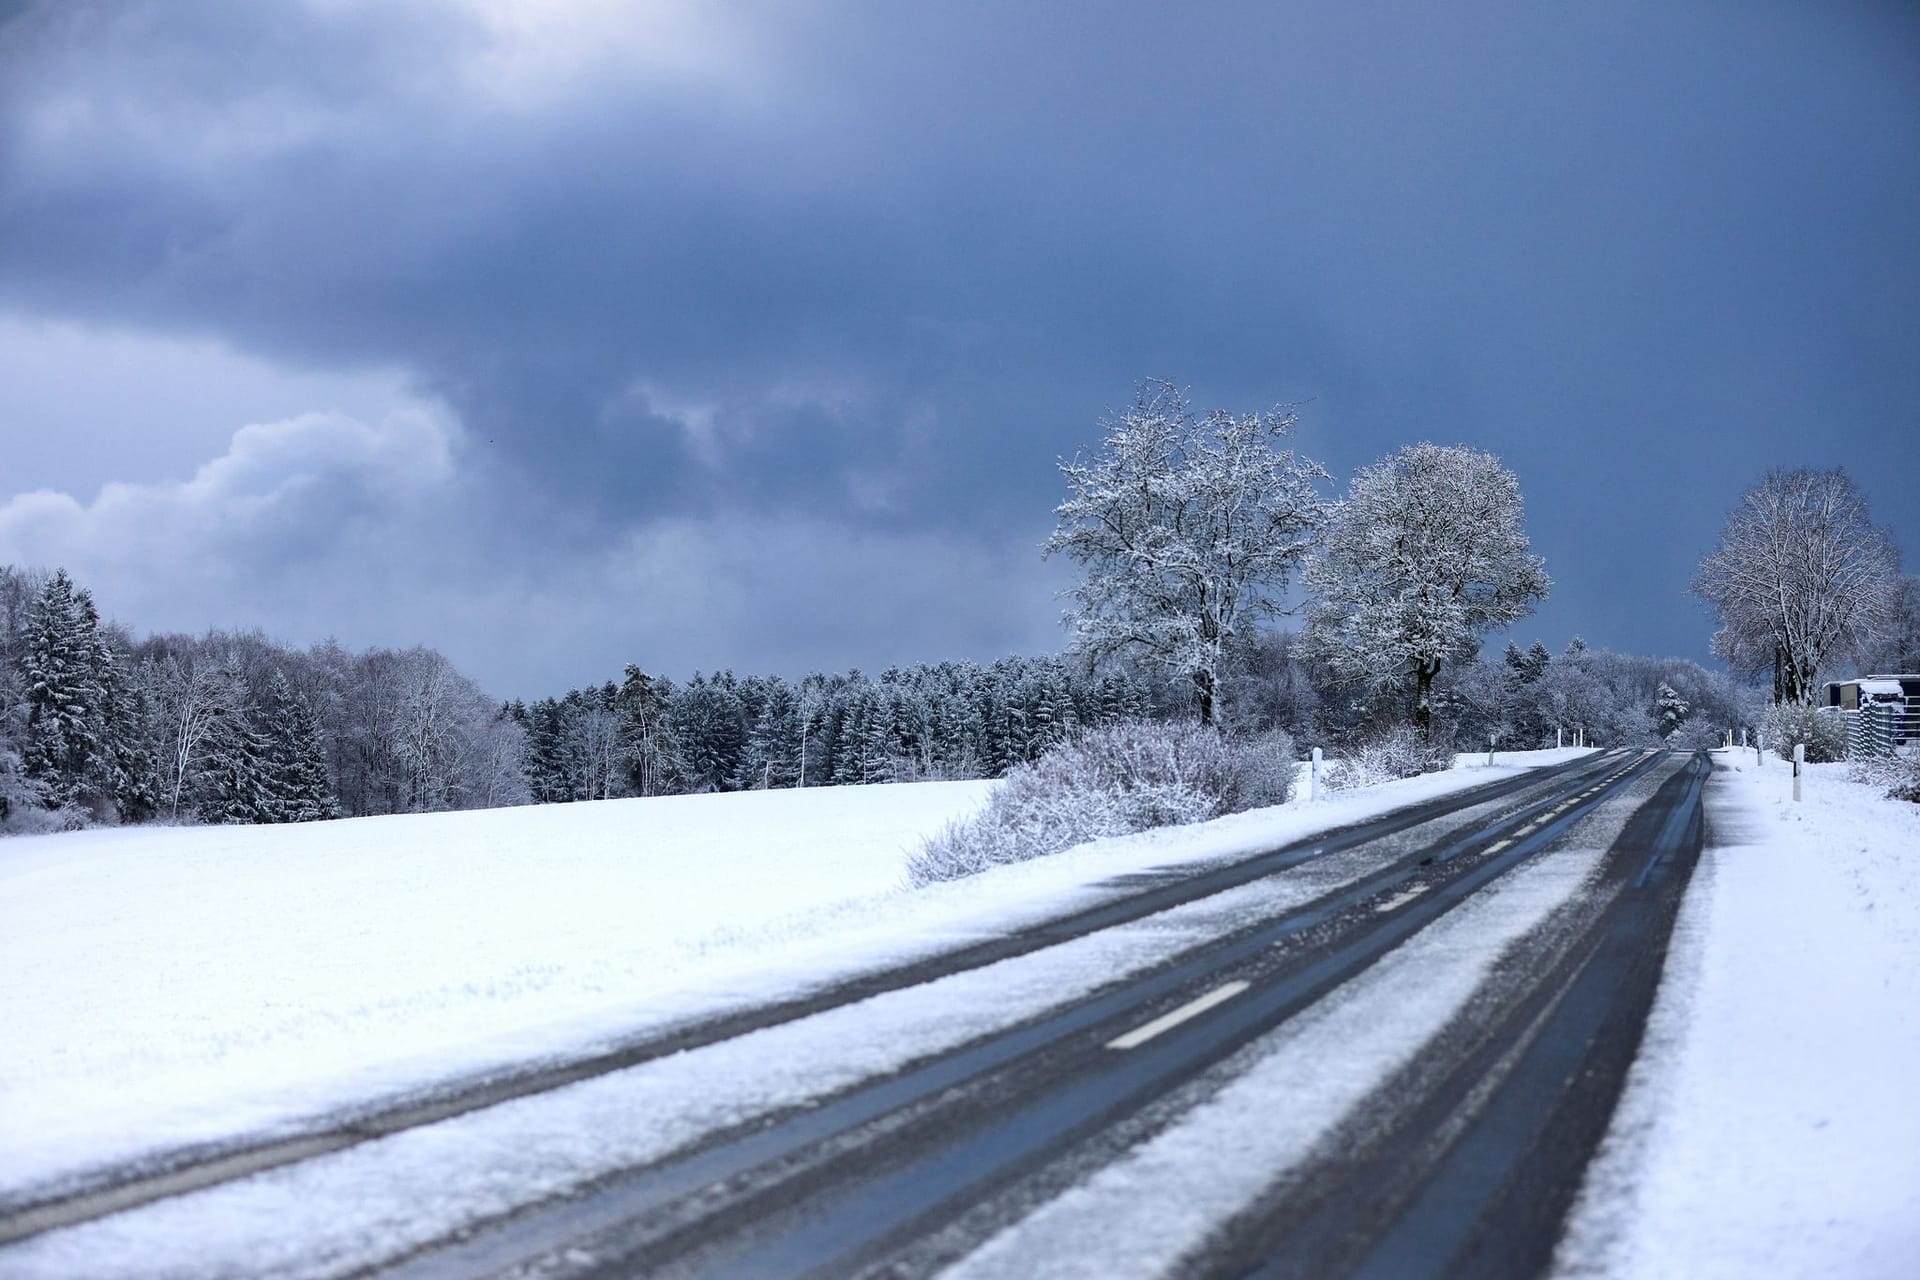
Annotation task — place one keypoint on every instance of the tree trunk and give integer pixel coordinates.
(1423, 699)
(1203, 691)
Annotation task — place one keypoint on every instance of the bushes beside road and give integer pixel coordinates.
(1112, 781)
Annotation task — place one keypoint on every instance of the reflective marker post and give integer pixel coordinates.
(1313, 778)
(1799, 758)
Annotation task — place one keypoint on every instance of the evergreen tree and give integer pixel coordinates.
(771, 757)
(63, 694)
(231, 782)
(709, 719)
(126, 767)
(545, 726)
(294, 766)
(849, 733)
(653, 760)
(1669, 711)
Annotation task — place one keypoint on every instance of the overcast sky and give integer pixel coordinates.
(558, 334)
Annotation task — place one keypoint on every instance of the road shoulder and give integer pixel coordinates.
(1771, 1125)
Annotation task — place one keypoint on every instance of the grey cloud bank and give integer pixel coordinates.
(728, 319)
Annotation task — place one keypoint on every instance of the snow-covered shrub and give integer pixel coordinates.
(1898, 776)
(1111, 781)
(23, 810)
(1400, 752)
(1695, 735)
(1821, 728)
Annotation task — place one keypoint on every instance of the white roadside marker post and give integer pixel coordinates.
(1799, 758)
(1490, 740)
(1313, 777)
(1559, 736)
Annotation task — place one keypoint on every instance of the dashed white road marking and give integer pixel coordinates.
(1167, 1021)
(1401, 899)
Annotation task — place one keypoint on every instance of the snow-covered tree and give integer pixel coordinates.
(1427, 552)
(1897, 647)
(295, 763)
(1188, 528)
(771, 757)
(439, 733)
(1801, 575)
(709, 721)
(182, 691)
(230, 781)
(1669, 711)
(65, 695)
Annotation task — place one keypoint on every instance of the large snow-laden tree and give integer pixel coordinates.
(1188, 528)
(1801, 575)
(1426, 553)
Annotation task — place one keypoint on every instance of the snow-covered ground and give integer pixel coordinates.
(174, 985)
(1771, 1126)
(166, 985)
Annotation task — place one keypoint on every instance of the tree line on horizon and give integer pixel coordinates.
(101, 727)
(1189, 529)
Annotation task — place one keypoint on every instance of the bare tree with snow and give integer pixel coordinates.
(439, 735)
(1427, 552)
(1801, 575)
(1188, 528)
(188, 698)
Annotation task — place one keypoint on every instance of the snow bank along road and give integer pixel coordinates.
(1385, 1050)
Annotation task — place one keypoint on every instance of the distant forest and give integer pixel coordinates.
(97, 726)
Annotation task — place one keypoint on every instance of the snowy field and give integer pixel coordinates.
(1771, 1126)
(184, 984)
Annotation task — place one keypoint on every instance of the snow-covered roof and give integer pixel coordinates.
(1880, 687)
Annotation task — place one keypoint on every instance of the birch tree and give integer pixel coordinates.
(1427, 552)
(1188, 528)
(187, 697)
(1801, 575)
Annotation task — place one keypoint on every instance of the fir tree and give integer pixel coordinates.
(294, 767)
(231, 783)
(771, 757)
(63, 693)
(1669, 711)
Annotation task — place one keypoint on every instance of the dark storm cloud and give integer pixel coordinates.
(881, 264)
